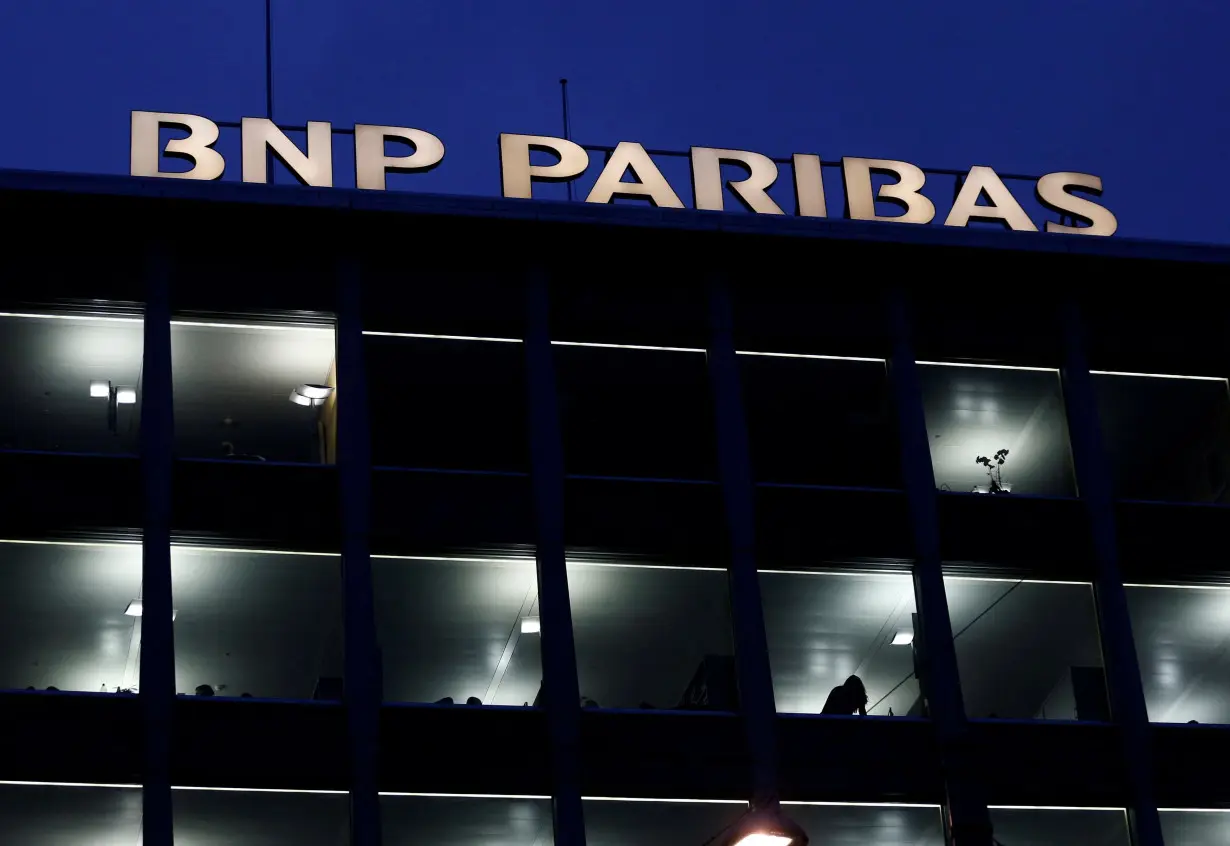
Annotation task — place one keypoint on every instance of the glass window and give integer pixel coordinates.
(649, 823)
(53, 815)
(65, 616)
(820, 421)
(458, 631)
(447, 404)
(642, 413)
(863, 825)
(256, 624)
(1060, 827)
(979, 415)
(1182, 637)
(226, 817)
(70, 384)
(466, 821)
(652, 637)
(1027, 650)
(1196, 827)
(1166, 438)
(824, 628)
(254, 393)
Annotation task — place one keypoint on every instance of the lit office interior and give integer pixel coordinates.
(71, 382)
(977, 412)
(1167, 437)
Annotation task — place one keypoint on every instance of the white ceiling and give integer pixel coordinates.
(45, 382)
(219, 373)
(978, 411)
(69, 816)
(1183, 645)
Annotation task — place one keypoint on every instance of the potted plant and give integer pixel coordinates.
(995, 470)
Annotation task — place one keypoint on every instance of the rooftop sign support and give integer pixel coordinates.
(982, 194)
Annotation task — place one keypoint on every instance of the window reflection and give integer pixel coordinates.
(254, 393)
(466, 821)
(1166, 438)
(652, 637)
(227, 817)
(975, 412)
(825, 627)
(70, 384)
(1182, 637)
(619, 823)
(458, 631)
(65, 616)
(54, 815)
(1061, 827)
(265, 625)
(858, 825)
(1027, 650)
(1196, 827)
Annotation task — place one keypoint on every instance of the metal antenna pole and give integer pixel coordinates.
(563, 87)
(269, 81)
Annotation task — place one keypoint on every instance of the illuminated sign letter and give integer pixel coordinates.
(315, 168)
(1052, 194)
(371, 164)
(1003, 206)
(650, 184)
(808, 186)
(518, 175)
(145, 151)
(707, 180)
(861, 200)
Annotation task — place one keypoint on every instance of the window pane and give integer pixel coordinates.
(647, 823)
(652, 637)
(227, 818)
(1166, 439)
(974, 412)
(820, 422)
(62, 616)
(1032, 827)
(1196, 828)
(458, 629)
(1027, 650)
(447, 404)
(1181, 636)
(863, 825)
(824, 628)
(464, 821)
(266, 625)
(258, 393)
(639, 413)
(71, 816)
(70, 385)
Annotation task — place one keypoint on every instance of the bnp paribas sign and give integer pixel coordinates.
(627, 171)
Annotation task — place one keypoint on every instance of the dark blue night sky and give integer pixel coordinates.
(1135, 92)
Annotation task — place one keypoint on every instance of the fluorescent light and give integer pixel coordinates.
(440, 338)
(986, 366)
(299, 399)
(903, 638)
(531, 625)
(626, 347)
(314, 391)
(126, 396)
(100, 389)
(136, 608)
(810, 355)
(1157, 375)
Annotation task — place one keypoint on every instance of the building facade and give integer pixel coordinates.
(336, 517)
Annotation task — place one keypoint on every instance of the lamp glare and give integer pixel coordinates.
(100, 389)
(126, 396)
(903, 638)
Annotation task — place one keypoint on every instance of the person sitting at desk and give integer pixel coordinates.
(846, 699)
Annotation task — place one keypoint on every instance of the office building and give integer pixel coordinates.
(336, 517)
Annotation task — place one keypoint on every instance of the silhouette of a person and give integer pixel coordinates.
(848, 698)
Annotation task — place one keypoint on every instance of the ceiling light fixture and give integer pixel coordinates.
(136, 608)
(531, 625)
(100, 389)
(903, 638)
(765, 826)
(310, 395)
(126, 396)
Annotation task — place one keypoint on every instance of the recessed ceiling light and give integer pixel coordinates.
(100, 389)
(136, 608)
(530, 625)
(903, 638)
(126, 396)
